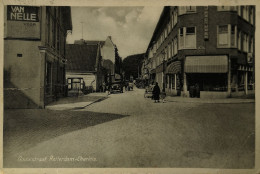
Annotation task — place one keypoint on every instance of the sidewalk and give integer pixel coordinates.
(70, 103)
(200, 100)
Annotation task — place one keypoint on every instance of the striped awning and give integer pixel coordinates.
(206, 64)
(174, 68)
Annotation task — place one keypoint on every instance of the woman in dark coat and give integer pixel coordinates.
(156, 92)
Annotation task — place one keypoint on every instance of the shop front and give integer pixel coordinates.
(173, 76)
(207, 77)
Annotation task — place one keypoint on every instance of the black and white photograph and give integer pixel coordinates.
(129, 86)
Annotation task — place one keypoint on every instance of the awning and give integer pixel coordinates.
(206, 64)
(174, 68)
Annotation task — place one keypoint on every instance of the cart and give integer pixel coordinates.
(148, 91)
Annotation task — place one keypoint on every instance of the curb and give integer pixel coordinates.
(82, 107)
(213, 102)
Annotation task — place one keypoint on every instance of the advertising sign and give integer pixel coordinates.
(23, 22)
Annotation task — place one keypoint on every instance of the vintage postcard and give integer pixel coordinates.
(129, 87)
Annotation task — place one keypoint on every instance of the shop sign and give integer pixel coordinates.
(206, 23)
(22, 13)
(23, 22)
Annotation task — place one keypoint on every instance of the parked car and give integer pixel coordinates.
(117, 87)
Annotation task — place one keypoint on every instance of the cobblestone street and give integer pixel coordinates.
(128, 130)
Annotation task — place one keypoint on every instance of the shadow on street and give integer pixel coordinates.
(25, 128)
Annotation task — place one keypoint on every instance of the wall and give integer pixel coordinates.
(108, 53)
(22, 73)
(87, 78)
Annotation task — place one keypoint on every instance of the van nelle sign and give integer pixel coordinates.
(22, 13)
(23, 22)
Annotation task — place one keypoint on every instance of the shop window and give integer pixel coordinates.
(69, 84)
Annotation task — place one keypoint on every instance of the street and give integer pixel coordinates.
(128, 130)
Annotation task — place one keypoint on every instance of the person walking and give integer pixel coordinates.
(156, 93)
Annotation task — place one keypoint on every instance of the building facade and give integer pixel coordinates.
(34, 54)
(84, 70)
(212, 47)
(111, 60)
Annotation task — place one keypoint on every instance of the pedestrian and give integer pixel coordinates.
(156, 93)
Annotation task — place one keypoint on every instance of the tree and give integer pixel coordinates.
(132, 65)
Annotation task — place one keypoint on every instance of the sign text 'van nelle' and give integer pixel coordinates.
(22, 13)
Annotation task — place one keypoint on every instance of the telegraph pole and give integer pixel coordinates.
(82, 29)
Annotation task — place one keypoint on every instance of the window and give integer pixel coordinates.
(172, 48)
(48, 78)
(187, 9)
(190, 37)
(172, 19)
(245, 13)
(233, 36)
(223, 35)
(245, 42)
(187, 38)
(175, 46)
(181, 38)
(239, 41)
(251, 49)
(169, 51)
(239, 10)
(251, 16)
(165, 33)
(175, 16)
(227, 36)
(169, 27)
(227, 8)
(190, 9)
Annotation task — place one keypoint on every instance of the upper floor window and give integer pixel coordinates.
(187, 9)
(227, 8)
(187, 38)
(175, 16)
(239, 10)
(251, 46)
(245, 42)
(226, 36)
(245, 14)
(239, 39)
(190, 9)
(251, 15)
(175, 47)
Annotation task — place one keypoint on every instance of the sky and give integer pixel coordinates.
(131, 28)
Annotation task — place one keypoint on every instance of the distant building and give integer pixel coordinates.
(34, 54)
(84, 68)
(209, 46)
(111, 60)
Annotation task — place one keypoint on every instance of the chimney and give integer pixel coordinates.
(110, 37)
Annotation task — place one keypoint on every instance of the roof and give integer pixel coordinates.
(163, 17)
(81, 58)
(89, 42)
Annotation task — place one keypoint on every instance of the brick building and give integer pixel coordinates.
(34, 54)
(212, 47)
